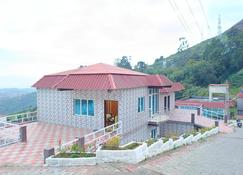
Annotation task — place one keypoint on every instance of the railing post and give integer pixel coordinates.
(193, 118)
(23, 133)
(81, 142)
(216, 123)
(198, 111)
(48, 152)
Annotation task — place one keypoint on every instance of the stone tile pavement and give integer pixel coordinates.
(218, 155)
(39, 136)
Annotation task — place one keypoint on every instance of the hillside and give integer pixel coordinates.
(16, 100)
(215, 60)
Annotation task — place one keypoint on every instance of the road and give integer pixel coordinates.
(218, 155)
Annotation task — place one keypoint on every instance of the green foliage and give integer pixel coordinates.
(74, 155)
(76, 148)
(113, 142)
(124, 62)
(150, 141)
(17, 101)
(212, 61)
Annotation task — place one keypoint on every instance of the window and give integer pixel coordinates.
(141, 104)
(153, 101)
(154, 133)
(84, 107)
(76, 107)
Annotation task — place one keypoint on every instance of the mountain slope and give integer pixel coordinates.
(16, 100)
(212, 61)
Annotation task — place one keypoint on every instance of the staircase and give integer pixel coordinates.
(94, 139)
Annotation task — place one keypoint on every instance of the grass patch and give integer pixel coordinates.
(165, 139)
(74, 155)
(186, 135)
(151, 141)
(127, 147)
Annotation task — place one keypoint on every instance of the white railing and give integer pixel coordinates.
(96, 138)
(212, 114)
(9, 133)
(20, 117)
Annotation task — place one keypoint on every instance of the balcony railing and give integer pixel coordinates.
(20, 117)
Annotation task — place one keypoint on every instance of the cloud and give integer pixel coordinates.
(49, 36)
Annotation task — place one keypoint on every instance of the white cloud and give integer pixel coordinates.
(55, 35)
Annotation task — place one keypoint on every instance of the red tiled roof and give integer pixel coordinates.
(100, 68)
(207, 104)
(101, 77)
(174, 88)
(240, 95)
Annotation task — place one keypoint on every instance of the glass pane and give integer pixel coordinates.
(153, 104)
(84, 107)
(76, 106)
(91, 107)
(138, 104)
(142, 104)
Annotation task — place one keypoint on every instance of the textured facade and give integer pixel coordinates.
(56, 106)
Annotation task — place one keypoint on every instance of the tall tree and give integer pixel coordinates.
(124, 62)
(141, 66)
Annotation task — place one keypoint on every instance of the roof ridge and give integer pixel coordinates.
(112, 82)
(60, 81)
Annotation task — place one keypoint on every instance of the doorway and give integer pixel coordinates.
(110, 112)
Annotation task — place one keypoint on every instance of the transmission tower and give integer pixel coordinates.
(219, 25)
(183, 44)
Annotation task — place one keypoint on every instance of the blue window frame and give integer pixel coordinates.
(76, 107)
(154, 133)
(83, 107)
(141, 104)
(90, 107)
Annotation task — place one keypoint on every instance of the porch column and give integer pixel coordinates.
(48, 152)
(193, 118)
(23, 133)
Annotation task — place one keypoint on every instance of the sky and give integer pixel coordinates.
(48, 36)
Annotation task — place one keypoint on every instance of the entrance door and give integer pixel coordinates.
(110, 112)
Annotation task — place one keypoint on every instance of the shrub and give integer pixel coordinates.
(76, 148)
(113, 142)
(165, 139)
(150, 141)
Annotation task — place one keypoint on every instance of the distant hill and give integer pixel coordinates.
(215, 60)
(16, 100)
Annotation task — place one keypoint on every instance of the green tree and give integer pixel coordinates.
(141, 66)
(124, 62)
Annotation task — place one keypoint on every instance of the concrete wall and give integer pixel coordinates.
(57, 107)
(161, 101)
(175, 127)
(240, 106)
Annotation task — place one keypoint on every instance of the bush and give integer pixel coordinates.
(150, 141)
(113, 142)
(76, 148)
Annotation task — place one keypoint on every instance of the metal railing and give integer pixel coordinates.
(20, 117)
(213, 114)
(9, 133)
(95, 139)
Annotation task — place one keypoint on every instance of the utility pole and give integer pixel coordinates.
(219, 25)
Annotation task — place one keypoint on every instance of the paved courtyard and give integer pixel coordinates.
(39, 136)
(218, 155)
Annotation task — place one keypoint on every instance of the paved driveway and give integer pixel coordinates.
(218, 155)
(39, 136)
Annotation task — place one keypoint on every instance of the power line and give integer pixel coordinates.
(204, 14)
(179, 16)
(194, 18)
